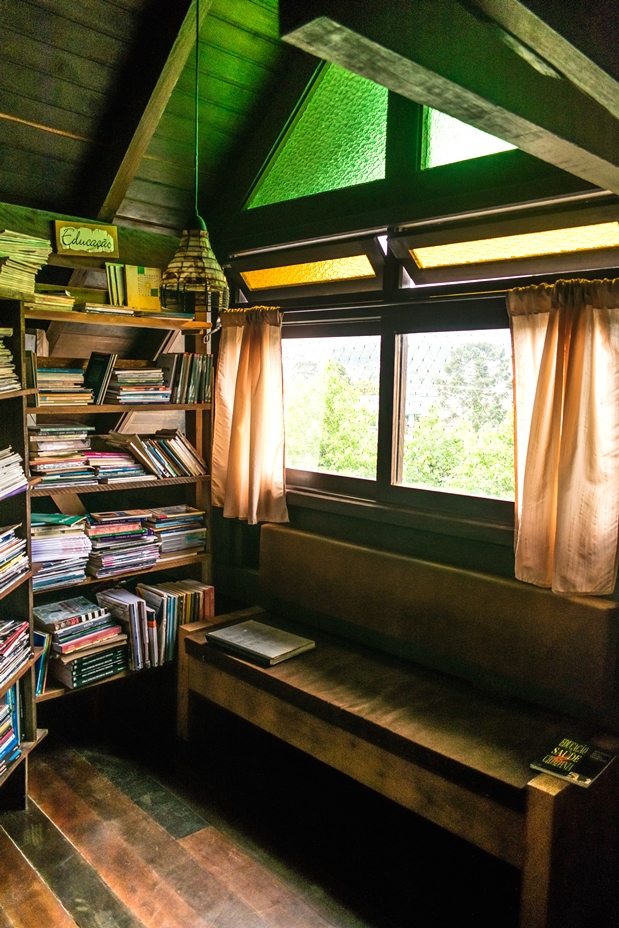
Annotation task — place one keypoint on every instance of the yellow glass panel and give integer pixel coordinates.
(528, 245)
(312, 272)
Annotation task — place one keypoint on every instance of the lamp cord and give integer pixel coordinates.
(196, 114)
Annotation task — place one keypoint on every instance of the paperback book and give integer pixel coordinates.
(259, 642)
(572, 759)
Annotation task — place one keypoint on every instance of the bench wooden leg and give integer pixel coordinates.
(570, 872)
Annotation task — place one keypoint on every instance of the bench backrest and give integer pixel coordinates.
(558, 651)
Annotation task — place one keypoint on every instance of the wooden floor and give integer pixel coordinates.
(128, 827)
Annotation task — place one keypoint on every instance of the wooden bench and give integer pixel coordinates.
(436, 687)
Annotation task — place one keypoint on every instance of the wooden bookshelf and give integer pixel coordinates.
(136, 322)
(137, 340)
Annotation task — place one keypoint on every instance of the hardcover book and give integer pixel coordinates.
(259, 642)
(571, 759)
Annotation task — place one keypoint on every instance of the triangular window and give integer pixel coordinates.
(446, 140)
(337, 138)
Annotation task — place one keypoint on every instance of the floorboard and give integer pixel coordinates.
(129, 828)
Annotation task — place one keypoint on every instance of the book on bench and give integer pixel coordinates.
(570, 759)
(259, 642)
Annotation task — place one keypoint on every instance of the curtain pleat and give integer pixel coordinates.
(248, 467)
(566, 397)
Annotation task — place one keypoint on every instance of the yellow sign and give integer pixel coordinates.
(86, 238)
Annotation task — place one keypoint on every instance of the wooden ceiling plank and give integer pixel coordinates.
(125, 156)
(441, 55)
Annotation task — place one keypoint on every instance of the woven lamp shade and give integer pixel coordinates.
(194, 277)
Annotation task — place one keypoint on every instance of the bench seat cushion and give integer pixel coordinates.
(442, 723)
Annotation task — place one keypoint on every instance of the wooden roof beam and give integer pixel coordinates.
(437, 52)
(159, 55)
(564, 42)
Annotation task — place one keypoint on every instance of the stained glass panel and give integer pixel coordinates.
(338, 140)
(447, 140)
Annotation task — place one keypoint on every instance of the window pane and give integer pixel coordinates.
(457, 423)
(338, 140)
(446, 140)
(331, 404)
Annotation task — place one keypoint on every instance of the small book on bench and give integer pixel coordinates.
(259, 642)
(570, 759)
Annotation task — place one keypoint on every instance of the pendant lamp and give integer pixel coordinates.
(193, 280)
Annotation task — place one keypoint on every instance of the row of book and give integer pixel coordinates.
(8, 377)
(15, 649)
(189, 376)
(10, 728)
(67, 549)
(178, 378)
(21, 258)
(167, 453)
(85, 642)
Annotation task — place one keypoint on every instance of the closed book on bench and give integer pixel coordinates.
(570, 759)
(259, 642)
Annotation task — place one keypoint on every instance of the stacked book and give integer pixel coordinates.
(137, 385)
(60, 549)
(77, 626)
(179, 528)
(13, 557)
(59, 454)
(62, 386)
(121, 543)
(116, 467)
(174, 604)
(8, 377)
(12, 476)
(15, 650)
(10, 736)
(189, 376)
(167, 453)
(57, 300)
(21, 258)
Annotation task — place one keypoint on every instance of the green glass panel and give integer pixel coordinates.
(337, 140)
(446, 140)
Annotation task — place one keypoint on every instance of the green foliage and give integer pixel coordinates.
(328, 427)
(476, 384)
(465, 441)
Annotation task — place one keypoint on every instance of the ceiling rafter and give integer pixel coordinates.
(151, 72)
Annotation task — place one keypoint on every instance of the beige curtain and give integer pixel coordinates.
(248, 470)
(566, 393)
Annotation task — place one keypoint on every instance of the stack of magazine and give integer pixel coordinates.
(59, 454)
(13, 557)
(121, 543)
(178, 528)
(60, 549)
(12, 476)
(21, 258)
(8, 377)
(62, 386)
(116, 467)
(87, 643)
(137, 385)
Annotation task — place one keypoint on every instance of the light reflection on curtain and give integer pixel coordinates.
(566, 394)
(248, 470)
